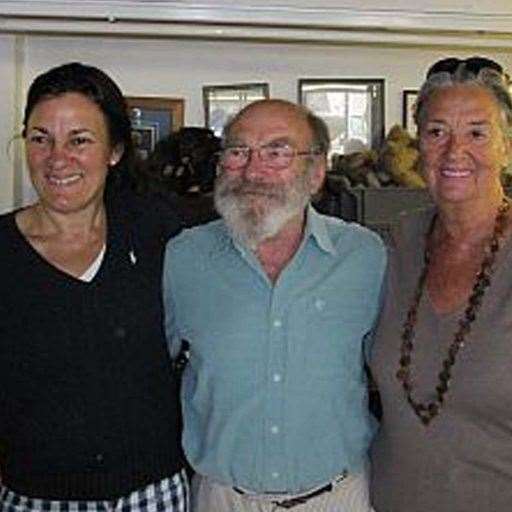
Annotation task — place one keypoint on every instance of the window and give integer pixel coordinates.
(352, 108)
(221, 102)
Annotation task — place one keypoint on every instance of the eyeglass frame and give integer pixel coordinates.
(249, 151)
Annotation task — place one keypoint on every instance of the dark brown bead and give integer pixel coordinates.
(405, 360)
(445, 376)
(420, 408)
(433, 409)
(475, 300)
(402, 374)
(442, 387)
(464, 328)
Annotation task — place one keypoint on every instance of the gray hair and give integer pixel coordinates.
(497, 84)
(320, 131)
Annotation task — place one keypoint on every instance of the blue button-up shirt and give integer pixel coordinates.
(274, 395)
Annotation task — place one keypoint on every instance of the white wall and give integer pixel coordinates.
(179, 68)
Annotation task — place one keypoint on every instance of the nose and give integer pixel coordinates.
(58, 155)
(255, 167)
(456, 145)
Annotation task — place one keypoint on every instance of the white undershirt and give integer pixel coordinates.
(89, 274)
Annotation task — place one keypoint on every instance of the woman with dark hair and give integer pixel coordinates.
(88, 400)
(442, 354)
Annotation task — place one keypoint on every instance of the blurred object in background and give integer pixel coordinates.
(182, 169)
(357, 169)
(395, 164)
(399, 158)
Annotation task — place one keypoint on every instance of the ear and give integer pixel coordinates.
(115, 155)
(318, 174)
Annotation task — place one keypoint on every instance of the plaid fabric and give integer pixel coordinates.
(168, 495)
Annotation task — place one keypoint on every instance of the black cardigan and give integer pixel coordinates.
(88, 400)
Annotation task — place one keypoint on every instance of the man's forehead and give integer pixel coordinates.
(273, 110)
(275, 121)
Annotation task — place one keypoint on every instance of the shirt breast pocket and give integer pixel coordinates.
(334, 331)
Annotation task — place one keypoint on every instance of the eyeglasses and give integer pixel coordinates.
(276, 156)
(473, 64)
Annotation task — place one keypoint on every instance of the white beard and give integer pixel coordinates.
(255, 211)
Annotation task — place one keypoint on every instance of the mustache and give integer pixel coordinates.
(243, 187)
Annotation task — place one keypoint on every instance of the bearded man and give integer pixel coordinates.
(276, 302)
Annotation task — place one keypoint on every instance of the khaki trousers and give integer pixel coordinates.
(349, 495)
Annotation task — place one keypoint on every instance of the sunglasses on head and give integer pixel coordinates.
(473, 64)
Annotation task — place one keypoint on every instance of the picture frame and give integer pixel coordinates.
(409, 97)
(222, 102)
(153, 118)
(352, 109)
(144, 139)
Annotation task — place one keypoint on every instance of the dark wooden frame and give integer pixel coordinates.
(175, 107)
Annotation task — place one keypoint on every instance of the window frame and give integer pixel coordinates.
(377, 130)
(262, 87)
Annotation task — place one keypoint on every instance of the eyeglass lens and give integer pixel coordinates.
(276, 157)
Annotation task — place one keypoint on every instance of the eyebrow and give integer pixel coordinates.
(480, 123)
(78, 131)
(474, 123)
(38, 128)
(74, 131)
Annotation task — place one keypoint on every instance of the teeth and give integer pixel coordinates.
(454, 174)
(68, 180)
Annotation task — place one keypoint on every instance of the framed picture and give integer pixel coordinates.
(221, 102)
(144, 139)
(409, 97)
(153, 118)
(352, 109)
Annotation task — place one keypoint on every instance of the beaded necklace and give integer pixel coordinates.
(428, 411)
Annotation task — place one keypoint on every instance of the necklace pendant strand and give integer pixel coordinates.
(426, 412)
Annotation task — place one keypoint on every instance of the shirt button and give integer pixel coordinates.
(274, 429)
(276, 377)
(319, 304)
(275, 474)
(278, 323)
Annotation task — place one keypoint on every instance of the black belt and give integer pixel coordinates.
(299, 500)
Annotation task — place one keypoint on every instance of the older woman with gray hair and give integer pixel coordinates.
(442, 355)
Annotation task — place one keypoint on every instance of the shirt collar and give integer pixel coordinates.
(316, 227)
